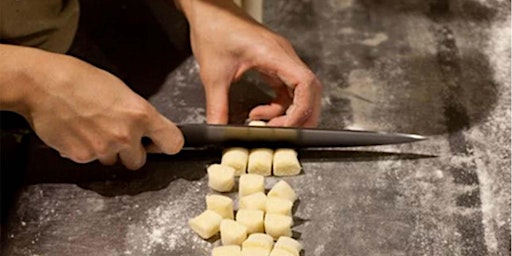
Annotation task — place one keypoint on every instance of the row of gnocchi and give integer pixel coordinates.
(261, 218)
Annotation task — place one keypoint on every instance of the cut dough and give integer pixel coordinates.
(221, 178)
(237, 158)
(279, 205)
(232, 232)
(206, 224)
(231, 250)
(250, 184)
(256, 201)
(283, 190)
(281, 252)
(277, 225)
(259, 240)
(285, 162)
(257, 123)
(251, 219)
(222, 205)
(289, 244)
(254, 251)
(260, 161)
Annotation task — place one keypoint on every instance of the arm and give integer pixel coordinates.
(83, 112)
(226, 43)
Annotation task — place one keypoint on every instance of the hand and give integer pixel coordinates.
(226, 43)
(86, 113)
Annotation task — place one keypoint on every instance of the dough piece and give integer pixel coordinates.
(257, 123)
(254, 251)
(221, 178)
(250, 184)
(279, 205)
(232, 232)
(260, 161)
(283, 190)
(285, 162)
(281, 252)
(231, 250)
(277, 225)
(259, 240)
(289, 244)
(256, 201)
(237, 158)
(251, 219)
(206, 224)
(222, 205)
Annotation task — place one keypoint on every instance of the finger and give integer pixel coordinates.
(165, 136)
(217, 103)
(133, 157)
(305, 109)
(110, 159)
(276, 108)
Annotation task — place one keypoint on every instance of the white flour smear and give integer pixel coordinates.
(165, 227)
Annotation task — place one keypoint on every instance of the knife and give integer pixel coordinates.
(200, 135)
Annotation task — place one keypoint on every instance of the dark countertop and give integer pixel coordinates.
(437, 68)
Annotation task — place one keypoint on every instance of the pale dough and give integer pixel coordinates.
(251, 219)
(289, 244)
(260, 161)
(277, 225)
(257, 123)
(222, 205)
(259, 240)
(283, 190)
(237, 158)
(285, 162)
(254, 251)
(232, 232)
(231, 250)
(221, 178)
(281, 252)
(250, 184)
(206, 224)
(256, 201)
(279, 205)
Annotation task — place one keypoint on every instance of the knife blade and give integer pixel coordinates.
(200, 135)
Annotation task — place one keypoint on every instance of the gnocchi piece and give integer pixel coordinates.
(260, 161)
(237, 158)
(279, 205)
(285, 162)
(281, 252)
(232, 250)
(232, 232)
(257, 123)
(289, 244)
(254, 251)
(277, 225)
(206, 224)
(256, 201)
(221, 178)
(283, 190)
(259, 240)
(251, 219)
(222, 205)
(250, 184)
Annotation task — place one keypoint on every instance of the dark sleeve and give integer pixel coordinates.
(46, 24)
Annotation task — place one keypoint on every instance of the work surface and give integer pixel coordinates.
(437, 68)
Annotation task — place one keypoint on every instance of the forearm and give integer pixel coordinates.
(15, 63)
(195, 10)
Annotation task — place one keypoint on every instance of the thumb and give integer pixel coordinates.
(164, 135)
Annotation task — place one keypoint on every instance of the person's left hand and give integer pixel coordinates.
(226, 43)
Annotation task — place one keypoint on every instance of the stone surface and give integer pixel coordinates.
(438, 68)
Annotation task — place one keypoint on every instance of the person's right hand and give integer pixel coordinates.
(83, 112)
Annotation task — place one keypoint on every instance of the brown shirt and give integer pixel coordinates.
(46, 24)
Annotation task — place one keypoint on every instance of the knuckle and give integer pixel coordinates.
(82, 157)
(121, 137)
